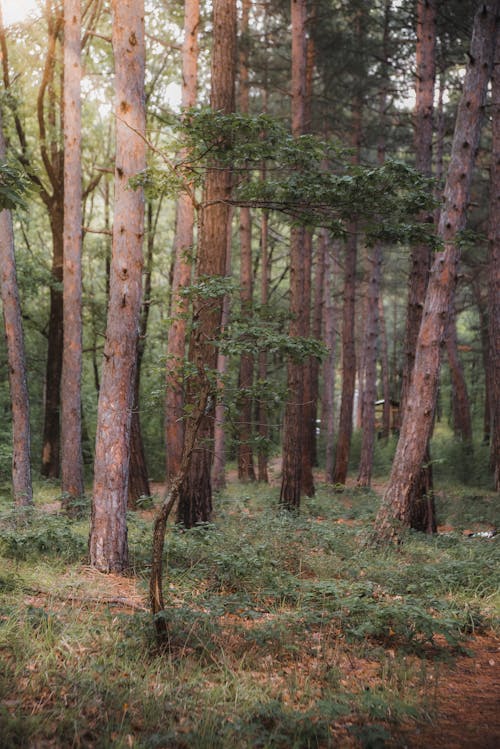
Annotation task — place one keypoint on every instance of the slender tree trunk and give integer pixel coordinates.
(12, 318)
(330, 338)
(293, 422)
(195, 495)
(462, 422)
(71, 402)
(183, 246)
(138, 480)
(370, 347)
(262, 405)
(384, 370)
(319, 277)
(219, 458)
(397, 507)
(348, 361)
(494, 275)
(308, 412)
(246, 470)
(108, 532)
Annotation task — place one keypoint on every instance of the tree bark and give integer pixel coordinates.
(195, 494)
(108, 532)
(183, 245)
(12, 318)
(263, 429)
(494, 275)
(317, 322)
(71, 402)
(397, 508)
(246, 470)
(422, 502)
(293, 422)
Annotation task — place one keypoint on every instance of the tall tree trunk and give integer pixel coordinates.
(71, 401)
(372, 301)
(183, 245)
(246, 470)
(12, 319)
(422, 502)
(308, 417)
(195, 495)
(494, 275)
(293, 422)
(262, 404)
(108, 531)
(397, 509)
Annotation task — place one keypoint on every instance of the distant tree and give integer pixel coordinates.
(108, 531)
(71, 406)
(12, 318)
(396, 510)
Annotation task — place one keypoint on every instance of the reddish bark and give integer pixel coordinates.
(246, 471)
(183, 244)
(330, 338)
(316, 330)
(195, 495)
(262, 406)
(108, 533)
(293, 422)
(397, 510)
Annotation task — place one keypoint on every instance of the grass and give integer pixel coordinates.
(285, 631)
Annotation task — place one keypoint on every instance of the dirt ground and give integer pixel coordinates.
(468, 702)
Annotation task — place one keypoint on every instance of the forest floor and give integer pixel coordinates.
(285, 633)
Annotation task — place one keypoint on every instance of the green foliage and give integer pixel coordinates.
(13, 187)
(30, 535)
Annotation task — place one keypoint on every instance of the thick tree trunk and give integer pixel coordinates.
(183, 245)
(397, 508)
(195, 495)
(71, 402)
(108, 532)
(494, 275)
(12, 318)
(293, 422)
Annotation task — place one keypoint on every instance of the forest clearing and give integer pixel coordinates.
(250, 376)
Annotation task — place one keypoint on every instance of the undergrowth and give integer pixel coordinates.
(284, 631)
